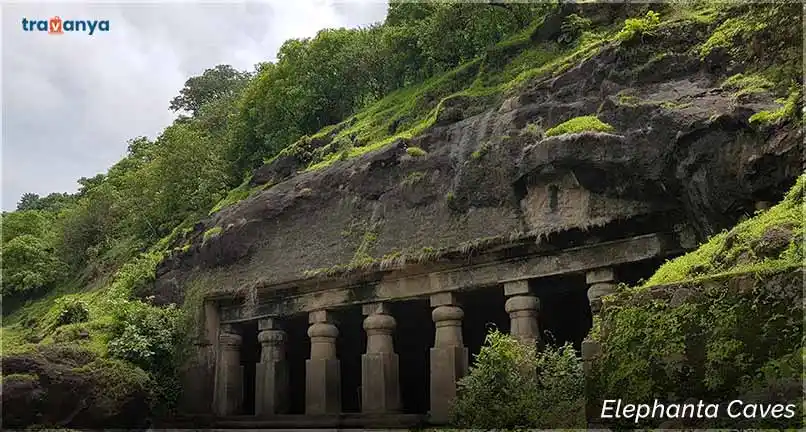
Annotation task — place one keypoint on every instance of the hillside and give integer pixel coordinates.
(416, 147)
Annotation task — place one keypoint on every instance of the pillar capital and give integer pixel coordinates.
(603, 274)
(522, 303)
(272, 337)
(444, 299)
(520, 287)
(321, 316)
(229, 338)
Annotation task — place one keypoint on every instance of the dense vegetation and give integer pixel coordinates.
(77, 267)
(729, 327)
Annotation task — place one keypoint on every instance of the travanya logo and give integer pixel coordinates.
(58, 26)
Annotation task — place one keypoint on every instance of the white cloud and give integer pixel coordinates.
(71, 102)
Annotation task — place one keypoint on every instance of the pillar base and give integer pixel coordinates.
(271, 388)
(380, 391)
(230, 396)
(323, 386)
(448, 365)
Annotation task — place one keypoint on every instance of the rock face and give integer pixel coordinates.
(68, 387)
(681, 147)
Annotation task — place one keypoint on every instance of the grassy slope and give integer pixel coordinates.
(743, 248)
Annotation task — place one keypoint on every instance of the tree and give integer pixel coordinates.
(28, 264)
(214, 83)
(28, 201)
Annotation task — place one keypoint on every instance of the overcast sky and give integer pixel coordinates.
(71, 102)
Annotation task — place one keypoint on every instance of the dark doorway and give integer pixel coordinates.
(634, 274)
(298, 349)
(250, 355)
(351, 343)
(484, 311)
(413, 340)
(565, 314)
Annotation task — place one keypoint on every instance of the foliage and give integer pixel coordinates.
(148, 337)
(725, 337)
(635, 27)
(72, 312)
(769, 240)
(28, 265)
(214, 83)
(511, 385)
(580, 124)
(415, 152)
(572, 28)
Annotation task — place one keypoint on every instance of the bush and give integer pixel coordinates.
(72, 312)
(511, 385)
(580, 124)
(149, 337)
(634, 27)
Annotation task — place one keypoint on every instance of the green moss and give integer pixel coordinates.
(672, 105)
(747, 84)
(580, 124)
(412, 178)
(415, 152)
(482, 150)
(735, 250)
(210, 233)
(533, 130)
(240, 193)
(789, 110)
(19, 377)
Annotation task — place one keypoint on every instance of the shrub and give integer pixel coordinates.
(580, 124)
(634, 27)
(534, 130)
(72, 312)
(572, 28)
(150, 337)
(415, 152)
(511, 385)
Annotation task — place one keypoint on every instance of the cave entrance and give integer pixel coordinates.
(350, 345)
(413, 339)
(250, 355)
(298, 350)
(565, 314)
(484, 311)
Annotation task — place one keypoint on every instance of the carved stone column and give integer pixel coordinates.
(601, 282)
(449, 359)
(380, 385)
(271, 386)
(323, 375)
(229, 381)
(522, 308)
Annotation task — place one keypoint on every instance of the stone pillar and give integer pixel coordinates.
(380, 385)
(522, 308)
(271, 374)
(229, 381)
(323, 375)
(449, 358)
(601, 282)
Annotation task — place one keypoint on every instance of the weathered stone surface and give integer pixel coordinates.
(69, 386)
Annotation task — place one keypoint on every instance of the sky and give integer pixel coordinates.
(71, 102)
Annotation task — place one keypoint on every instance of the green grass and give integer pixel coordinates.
(580, 124)
(210, 233)
(415, 152)
(734, 251)
(747, 84)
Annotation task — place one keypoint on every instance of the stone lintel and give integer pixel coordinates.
(375, 309)
(394, 287)
(443, 299)
(516, 288)
(604, 274)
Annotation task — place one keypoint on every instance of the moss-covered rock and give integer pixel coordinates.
(64, 385)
